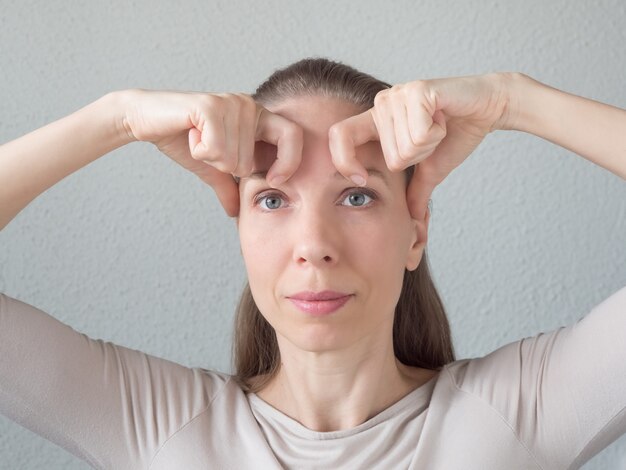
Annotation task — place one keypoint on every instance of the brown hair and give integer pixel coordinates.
(421, 333)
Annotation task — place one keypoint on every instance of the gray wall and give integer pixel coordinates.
(525, 236)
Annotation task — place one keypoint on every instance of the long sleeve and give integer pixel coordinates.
(563, 392)
(111, 406)
(576, 384)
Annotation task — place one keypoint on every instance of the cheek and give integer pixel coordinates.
(262, 243)
(384, 255)
(385, 238)
(264, 254)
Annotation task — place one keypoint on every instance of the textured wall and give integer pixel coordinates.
(525, 236)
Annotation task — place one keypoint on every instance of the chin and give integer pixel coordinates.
(318, 339)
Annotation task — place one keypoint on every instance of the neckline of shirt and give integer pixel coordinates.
(415, 399)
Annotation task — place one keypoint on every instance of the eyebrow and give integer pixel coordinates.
(337, 175)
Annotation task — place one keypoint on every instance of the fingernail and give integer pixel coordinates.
(276, 180)
(358, 180)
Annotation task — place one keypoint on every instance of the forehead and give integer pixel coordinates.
(315, 115)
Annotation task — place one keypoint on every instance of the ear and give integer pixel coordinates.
(418, 241)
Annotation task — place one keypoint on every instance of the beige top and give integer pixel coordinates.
(551, 401)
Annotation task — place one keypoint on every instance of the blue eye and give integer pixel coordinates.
(273, 201)
(359, 198)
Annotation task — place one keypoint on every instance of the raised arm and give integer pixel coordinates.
(595, 131)
(35, 162)
(436, 124)
(109, 405)
(211, 135)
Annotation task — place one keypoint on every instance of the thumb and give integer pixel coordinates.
(225, 188)
(453, 150)
(419, 192)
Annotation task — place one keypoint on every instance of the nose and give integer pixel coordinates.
(316, 239)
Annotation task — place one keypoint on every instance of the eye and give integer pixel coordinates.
(268, 201)
(360, 198)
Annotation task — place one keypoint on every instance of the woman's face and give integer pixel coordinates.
(319, 232)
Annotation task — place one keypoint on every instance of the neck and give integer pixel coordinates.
(336, 390)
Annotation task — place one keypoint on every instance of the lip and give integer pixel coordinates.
(323, 295)
(319, 303)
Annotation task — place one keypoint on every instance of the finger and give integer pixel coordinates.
(287, 137)
(383, 118)
(343, 139)
(195, 138)
(440, 119)
(425, 130)
(231, 134)
(212, 143)
(419, 192)
(225, 188)
(407, 148)
(247, 123)
(429, 173)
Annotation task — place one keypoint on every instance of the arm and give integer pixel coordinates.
(436, 124)
(563, 392)
(196, 130)
(111, 406)
(91, 397)
(35, 162)
(593, 130)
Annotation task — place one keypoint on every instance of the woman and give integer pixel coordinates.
(343, 356)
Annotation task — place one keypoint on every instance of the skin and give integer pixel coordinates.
(339, 370)
(333, 367)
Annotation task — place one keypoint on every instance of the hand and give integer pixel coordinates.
(433, 124)
(213, 136)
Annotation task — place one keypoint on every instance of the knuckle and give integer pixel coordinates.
(415, 87)
(224, 96)
(212, 152)
(243, 170)
(213, 149)
(293, 131)
(396, 90)
(231, 102)
(336, 131)
(205, 156)
(246, 100)
(247, 105)
(211, 101)
(395, 164)
(225, 166)
(382, 97)
(406, 151)
(421, 140)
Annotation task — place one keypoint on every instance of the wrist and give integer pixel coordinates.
(509, 88)
(116, 104)
(524, 97)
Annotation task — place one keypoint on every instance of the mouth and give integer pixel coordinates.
(320, 303)
(313, 296)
